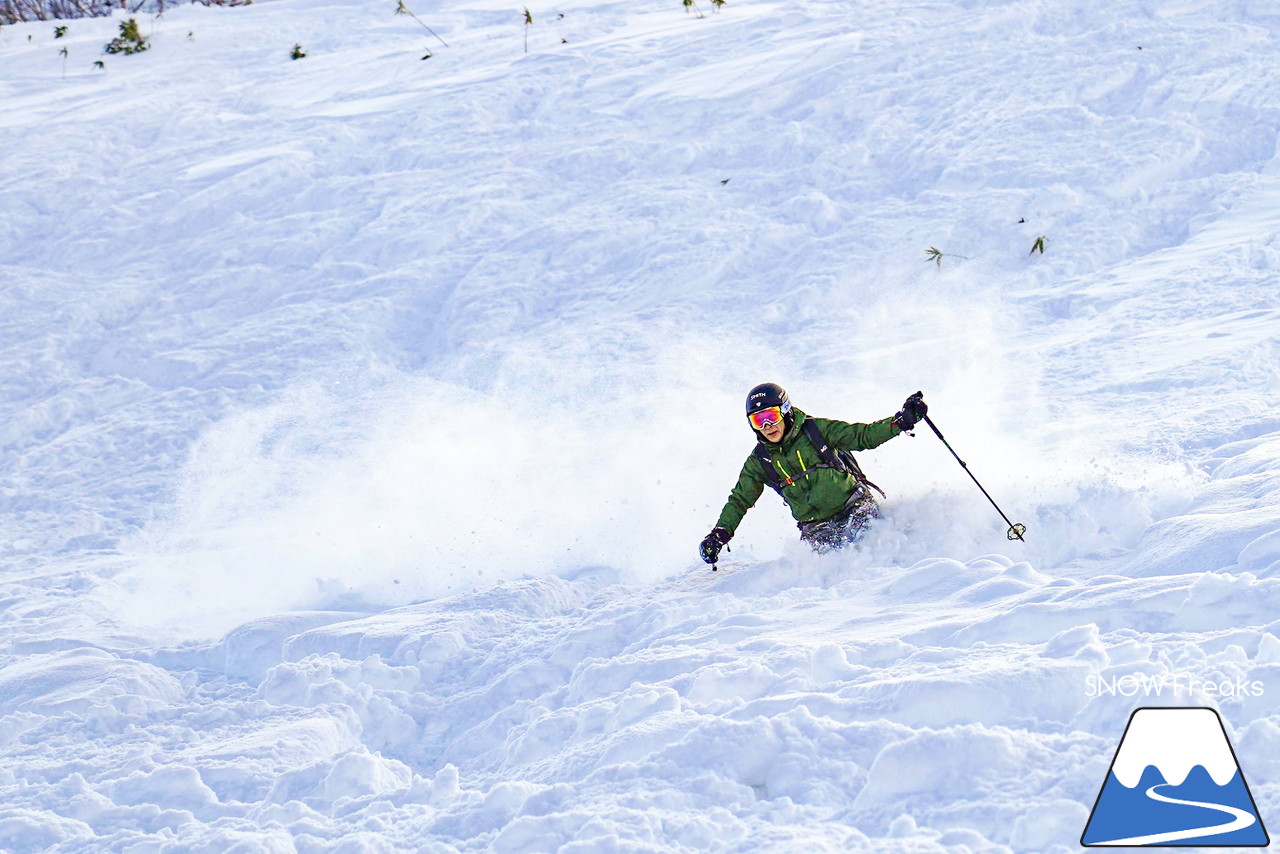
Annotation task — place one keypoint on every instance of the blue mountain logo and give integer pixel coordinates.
(1175, 782)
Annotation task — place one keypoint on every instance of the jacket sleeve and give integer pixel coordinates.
(743, 496)
(857, 437)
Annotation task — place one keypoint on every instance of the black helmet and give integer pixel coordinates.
(768, 394)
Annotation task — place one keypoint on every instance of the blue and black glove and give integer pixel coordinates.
(912, 412)
(712, 544)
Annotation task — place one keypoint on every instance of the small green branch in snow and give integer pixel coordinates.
(1038, 246)
(129, 41)
(936, 255)
(690, 5)
(402, 9)
(59, 32)
(298, 52)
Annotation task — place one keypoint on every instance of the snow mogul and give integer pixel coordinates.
(809, 462)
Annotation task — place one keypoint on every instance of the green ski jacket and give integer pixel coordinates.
(816, 496)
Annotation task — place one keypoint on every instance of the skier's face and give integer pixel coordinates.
(773, 432)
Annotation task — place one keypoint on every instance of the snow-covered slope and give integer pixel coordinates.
(360, 416)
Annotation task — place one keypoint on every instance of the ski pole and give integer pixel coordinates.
(1016, 529)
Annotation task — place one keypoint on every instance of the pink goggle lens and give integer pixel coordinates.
(765, 417)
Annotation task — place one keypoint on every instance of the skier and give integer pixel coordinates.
(808, 461)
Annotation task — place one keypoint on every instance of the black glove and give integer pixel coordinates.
(912, 412)
(712, 544)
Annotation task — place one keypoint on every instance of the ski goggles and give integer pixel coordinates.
(763, 418)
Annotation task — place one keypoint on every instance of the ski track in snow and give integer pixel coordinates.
(360, 415)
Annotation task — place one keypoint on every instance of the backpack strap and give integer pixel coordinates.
(839, 460)
(771, 477)
(852, 467)
(825, 453)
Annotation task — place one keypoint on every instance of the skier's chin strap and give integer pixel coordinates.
(839, 460)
